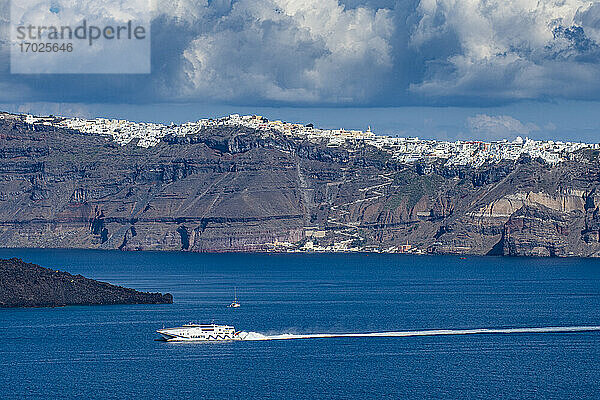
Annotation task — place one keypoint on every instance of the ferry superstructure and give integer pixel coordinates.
(199, 332)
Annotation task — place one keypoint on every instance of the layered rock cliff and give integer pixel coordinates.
(240, 190)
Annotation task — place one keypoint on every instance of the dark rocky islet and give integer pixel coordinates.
(29, 285)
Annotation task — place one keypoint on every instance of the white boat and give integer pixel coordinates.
(235, 303)
(195, 332)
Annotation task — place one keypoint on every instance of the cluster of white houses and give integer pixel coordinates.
(408, 150)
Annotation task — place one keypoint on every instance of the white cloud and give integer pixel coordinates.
(499, 127)
(448, 52)
(291, 51)
(590, 19)
(43, 108)
(509, 49)
(104, 56)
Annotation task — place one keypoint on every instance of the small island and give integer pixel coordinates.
(29, 285)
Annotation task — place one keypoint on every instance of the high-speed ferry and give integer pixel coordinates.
(195, 332)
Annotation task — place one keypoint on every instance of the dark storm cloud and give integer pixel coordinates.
(330, 52)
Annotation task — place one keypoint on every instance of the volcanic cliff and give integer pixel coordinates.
(236, 189)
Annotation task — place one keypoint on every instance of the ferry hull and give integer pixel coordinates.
(170, 338)
(196, 335)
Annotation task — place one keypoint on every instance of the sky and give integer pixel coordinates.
(447, 69)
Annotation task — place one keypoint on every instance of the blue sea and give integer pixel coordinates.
(110, 351)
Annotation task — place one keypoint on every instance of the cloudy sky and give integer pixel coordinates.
(432, 68)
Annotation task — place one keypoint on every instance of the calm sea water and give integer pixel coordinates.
(110, 352)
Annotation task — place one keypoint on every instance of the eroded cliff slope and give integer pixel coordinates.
(240, 190)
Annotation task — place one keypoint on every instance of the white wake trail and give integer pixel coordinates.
(439, 332)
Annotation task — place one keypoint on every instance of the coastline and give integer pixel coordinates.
(295, 252)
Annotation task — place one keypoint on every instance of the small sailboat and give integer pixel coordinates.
(235, 303)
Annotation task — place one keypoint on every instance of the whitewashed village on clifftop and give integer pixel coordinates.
(405, 150)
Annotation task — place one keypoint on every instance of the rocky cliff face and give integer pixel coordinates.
(29, 285)
(241, 190)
